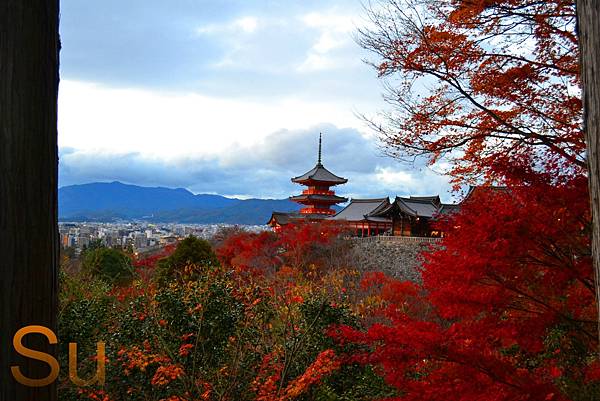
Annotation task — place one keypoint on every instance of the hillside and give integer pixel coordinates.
(117, 201)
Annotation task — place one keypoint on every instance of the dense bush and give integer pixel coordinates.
(190, 260)
(108, 264)
(219, 333)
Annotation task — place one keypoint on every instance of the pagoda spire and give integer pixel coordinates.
(319, 160)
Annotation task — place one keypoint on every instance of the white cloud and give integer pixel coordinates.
(327, 42)
(334, 35)
(316, 62)
(100, 118)
(330, 21)
(246, 97)
(260, 169)
(247, 25)
(391, 177)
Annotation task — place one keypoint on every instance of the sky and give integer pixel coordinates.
(223, 97)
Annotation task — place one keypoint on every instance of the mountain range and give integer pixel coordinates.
(108, 202)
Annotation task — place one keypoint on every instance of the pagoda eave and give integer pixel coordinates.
(325, 199)
(311, 182)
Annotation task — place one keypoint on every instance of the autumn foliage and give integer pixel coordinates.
(477, 81)
(506, 307)
(252, 328)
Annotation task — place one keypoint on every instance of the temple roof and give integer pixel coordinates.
(417, 206)
(432, 199)
(318, 198)
(448, 208)
(283, 218)
(319, 174)
(474, 190)
(360, 209)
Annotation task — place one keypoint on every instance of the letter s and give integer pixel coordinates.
(37, 355)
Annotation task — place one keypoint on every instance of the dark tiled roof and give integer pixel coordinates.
(319, 198)
(379, 209)
(377, 219)
(473, 190)
(421, 206)
(418, 208)
(448, 208)
(320, 174)
(283, 218)
(360, 209)
(432, 199)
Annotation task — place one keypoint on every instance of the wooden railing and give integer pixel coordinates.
(396, 238)
(316, 210)
(312, 191)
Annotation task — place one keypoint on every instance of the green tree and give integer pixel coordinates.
(191, 256)
(109, 264)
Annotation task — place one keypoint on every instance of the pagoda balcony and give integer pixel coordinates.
(313, 191)
(315, 210)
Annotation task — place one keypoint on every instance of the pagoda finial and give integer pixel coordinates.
(319, 161)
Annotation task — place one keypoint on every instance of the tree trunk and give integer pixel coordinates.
(588, 18)
(29, 47)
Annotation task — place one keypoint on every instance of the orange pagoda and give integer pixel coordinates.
(318, 197)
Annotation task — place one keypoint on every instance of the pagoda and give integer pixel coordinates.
(318, 197)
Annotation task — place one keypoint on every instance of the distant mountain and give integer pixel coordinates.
(113, 201)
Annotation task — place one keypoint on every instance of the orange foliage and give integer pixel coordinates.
(481, 83)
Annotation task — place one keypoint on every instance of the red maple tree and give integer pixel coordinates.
(477, 81)
(506, 307)
(295, 245)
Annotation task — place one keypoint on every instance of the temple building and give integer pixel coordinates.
(360, 217)
(404, 216)
(318, 197)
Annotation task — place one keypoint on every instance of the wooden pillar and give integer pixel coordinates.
(29, 241)
(588, 13)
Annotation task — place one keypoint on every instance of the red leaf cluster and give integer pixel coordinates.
(506, 307)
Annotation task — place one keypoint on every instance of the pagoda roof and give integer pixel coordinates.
(319, 174)
(318, 198)
(360, 209)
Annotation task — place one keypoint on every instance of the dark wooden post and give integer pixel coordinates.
(29, 47)
(588, 19)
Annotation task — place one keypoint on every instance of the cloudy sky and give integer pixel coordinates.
(222, 97)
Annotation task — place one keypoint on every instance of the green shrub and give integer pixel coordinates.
(190, 258)
(109, 264)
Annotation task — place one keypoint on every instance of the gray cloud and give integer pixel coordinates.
(264, 169)
(155, 43)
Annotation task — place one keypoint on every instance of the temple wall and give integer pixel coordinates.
(395, 256)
